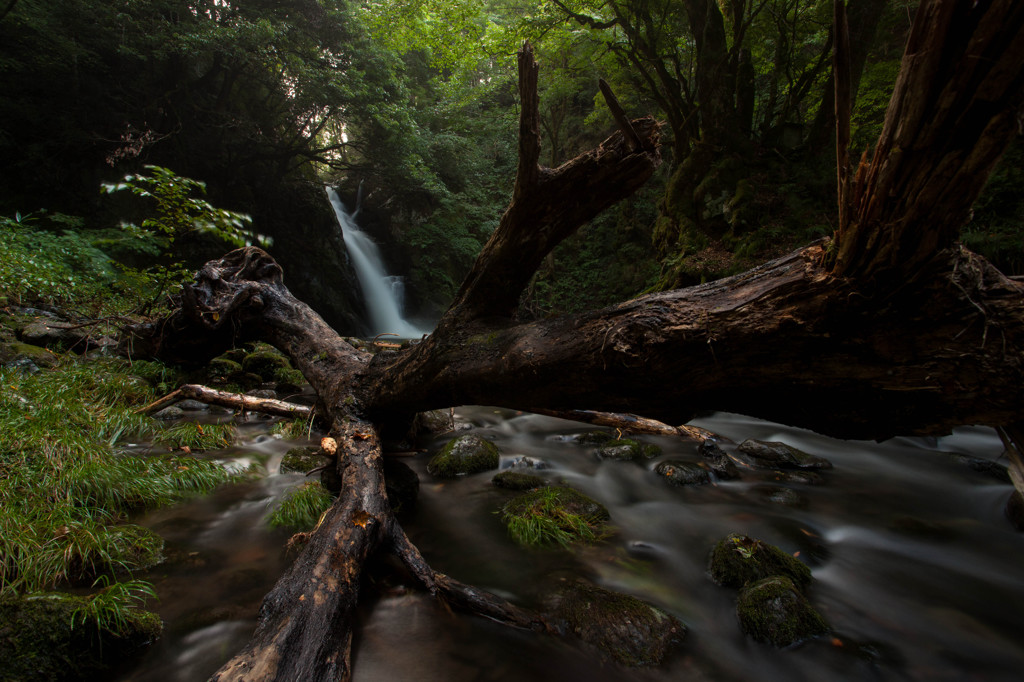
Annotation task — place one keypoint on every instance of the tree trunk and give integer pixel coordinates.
(817, 338)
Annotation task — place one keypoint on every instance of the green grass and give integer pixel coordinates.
(198, 436)
(554, 516)
(301, 508)
(67, 483)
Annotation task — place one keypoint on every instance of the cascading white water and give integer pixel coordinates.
(384, 293)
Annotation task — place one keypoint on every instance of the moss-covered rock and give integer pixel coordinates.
(300, 460)
(467, 454)
(739, 559)
(773, 610)
(776, 455)
(627, 449)
(629, 630)
(287, 375)
(593, 438)
(40, 357)
(516, 480)
(220, 368)
(680, 472)
(265, 363)
(554, 515)
(38, 643)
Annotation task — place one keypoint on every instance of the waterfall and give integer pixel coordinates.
(384, 294)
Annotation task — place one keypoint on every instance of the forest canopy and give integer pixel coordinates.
(415, 101)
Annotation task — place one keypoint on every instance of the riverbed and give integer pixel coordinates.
(914, 565)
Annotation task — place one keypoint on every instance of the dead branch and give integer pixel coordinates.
(212, 396)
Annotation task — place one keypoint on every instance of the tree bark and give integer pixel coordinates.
(810, 339)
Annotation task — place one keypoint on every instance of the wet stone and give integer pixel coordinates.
(301, 460)
(739, 559)
(632, 632)
(172, 412)
(993, 470)
(593, 438)
(627, 450)
(719, 462)
(773, 610)
(776, 455)
(192, 406)
(516, 480)
(680, 472)
(468, 454)
(529, 463)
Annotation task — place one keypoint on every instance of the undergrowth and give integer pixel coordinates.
(301, 508)
(554, 515)
(68, 481)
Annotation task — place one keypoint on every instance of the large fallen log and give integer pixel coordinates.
(825, 337)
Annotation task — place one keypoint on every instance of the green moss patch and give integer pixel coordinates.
(468, 454)
(301, 460)
(773, 610)
(629, 630)
(739, 559)
(516, 480)
(58, 637)
(554, 515)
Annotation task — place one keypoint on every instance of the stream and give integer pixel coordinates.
(914, 565)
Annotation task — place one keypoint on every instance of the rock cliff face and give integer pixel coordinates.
(308, 244)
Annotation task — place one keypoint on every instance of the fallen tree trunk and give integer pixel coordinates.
(832, 343)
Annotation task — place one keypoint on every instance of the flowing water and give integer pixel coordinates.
(384, 294)
(914, 565)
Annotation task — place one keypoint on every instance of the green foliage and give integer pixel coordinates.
(179, 213)
(997, 229)
(40, 265)
(67, 477)
(302, 507)
(295, 428)
(198, 436)
(113, 608)
(554, 515)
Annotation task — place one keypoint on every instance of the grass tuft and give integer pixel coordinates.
(302, 507)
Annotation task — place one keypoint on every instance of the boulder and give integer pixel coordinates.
(265, 363)
(681, 472)
(300, 460)
(739, 559)
(22, 355)
(719, 462)
(631, 631)
(773, 610)
(776, 455)
(627, 449)
(467, 454)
